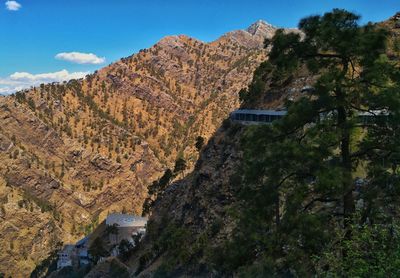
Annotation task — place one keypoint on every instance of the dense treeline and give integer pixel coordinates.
(318, 191)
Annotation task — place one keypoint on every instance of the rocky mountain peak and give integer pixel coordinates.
(396, 16)
(261, 28)
(103, 146)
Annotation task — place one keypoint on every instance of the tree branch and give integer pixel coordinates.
(321, 200)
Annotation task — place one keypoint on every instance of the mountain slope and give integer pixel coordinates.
(194, 217)
(72, 152)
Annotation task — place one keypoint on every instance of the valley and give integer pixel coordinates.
(74, 152)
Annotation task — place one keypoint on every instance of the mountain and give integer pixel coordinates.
(194, 217)
(71, 153)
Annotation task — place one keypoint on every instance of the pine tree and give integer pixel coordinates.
(180, 165)
(199, 143)
(299, 174)
(97, 249)
(155, 189)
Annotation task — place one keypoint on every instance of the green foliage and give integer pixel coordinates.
(298, 174)
(156, 188)
(97, 249)
(147, 206)
(180, 165)
(66, 272)
(143, 261)
(371, 251)
(257, 86)
(70, 272)
(45, 206)
(165, 180)
(125, 249)
(396, 45)
(242, 95)
(89, 101)
(31, 103)
(46, 266)
(112, 229)
(181, 246)
(174, 240)
(20, 96)
(87, 229)
(199, 143)
(118, 270)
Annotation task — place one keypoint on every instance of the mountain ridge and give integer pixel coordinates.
(194, 217)
(72, 152)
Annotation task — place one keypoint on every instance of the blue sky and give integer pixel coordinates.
(33, 32)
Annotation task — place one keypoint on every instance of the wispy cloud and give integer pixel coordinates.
(81, 58)
(22, 80)
(13, 5)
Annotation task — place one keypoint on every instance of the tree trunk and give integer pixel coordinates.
(347, 186)
(277, 215)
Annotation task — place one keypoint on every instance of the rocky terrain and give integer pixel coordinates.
(72, 152)
(195, 215)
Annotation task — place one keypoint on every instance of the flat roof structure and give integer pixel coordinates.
(255, 116)
(260, 112)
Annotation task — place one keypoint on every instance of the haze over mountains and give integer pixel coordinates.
(72, 152)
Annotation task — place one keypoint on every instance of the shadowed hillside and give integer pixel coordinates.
(72, 152)
(210, 223)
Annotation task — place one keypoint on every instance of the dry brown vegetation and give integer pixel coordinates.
(70, 153)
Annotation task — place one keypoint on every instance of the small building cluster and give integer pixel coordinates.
(119, 227)
(74, 254)
(249, 117)
(65, 256)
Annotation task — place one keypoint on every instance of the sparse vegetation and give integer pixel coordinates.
(316, 192)
(299, 175)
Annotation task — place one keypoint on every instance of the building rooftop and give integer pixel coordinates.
(125, 220)
(260, 112)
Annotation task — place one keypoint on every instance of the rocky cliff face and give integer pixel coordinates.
(195, 213)
(72, 152)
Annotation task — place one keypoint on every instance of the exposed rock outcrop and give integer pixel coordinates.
(78, 150)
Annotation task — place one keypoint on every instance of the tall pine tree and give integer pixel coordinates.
(312, 171)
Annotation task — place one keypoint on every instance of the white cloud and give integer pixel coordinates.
(5, 91)
(81, 58)
(13, 5)
(23, 80)
(46, 77)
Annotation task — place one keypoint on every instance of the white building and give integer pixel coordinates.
(65, 256)
(84, 258)
(82, 247)
(74, 254)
